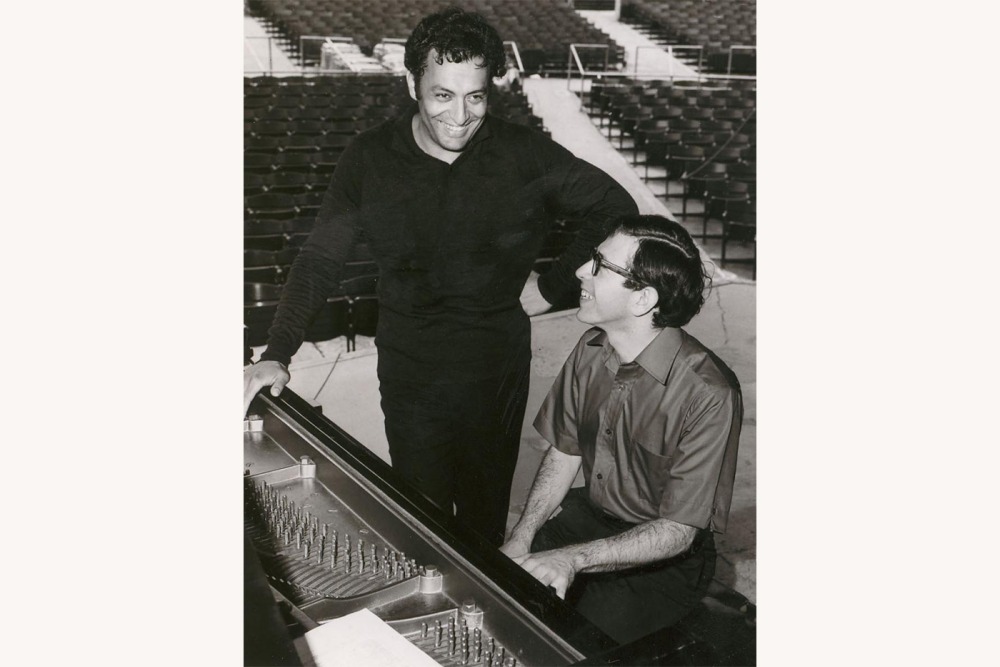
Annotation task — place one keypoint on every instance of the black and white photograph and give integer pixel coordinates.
(499, 298)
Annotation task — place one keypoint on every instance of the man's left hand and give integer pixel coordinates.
(532, 300)
(553, 568)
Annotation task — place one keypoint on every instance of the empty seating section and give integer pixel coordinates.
(701, 138)
(295, 129)
(716, 25)
(542, 29)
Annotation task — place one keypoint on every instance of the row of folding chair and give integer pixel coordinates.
(319, 162)
(358, 265)
(338, 136)
(272, 266)
(309, 80)
(287, 128)
(679, 160)
(610, 109)
(657, 148)
(604, 99)
(361, 93)
(636, 122)
(340, 316)
(706, 22)
(254, 114)
(288, 182)
(281, 205)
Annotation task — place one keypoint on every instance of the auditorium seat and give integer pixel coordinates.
(276, 205)
(721, 198)
(253, 183)
(644, 130)
(658, 150)
(697, 182)
(684, 159)
(290, 182)
(295, 161)
(740, 228)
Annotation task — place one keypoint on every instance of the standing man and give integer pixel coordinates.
(454, 204)
(654, 418)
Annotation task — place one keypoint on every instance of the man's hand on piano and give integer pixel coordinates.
(553, 568)
(263, 374)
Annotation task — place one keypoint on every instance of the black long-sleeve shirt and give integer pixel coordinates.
(454, 244)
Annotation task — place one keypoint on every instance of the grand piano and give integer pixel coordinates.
(331, 529)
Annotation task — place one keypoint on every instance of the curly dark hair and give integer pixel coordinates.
(668, 261)
(457, 35)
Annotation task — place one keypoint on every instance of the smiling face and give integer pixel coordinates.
(451, 103)
(604, 299)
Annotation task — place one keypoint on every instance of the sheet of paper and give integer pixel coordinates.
(362, 639)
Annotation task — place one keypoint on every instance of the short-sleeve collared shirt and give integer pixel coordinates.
(658, 436)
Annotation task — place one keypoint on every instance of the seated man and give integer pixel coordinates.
(654, 419)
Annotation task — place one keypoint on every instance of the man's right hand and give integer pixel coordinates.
(515, 549)
(272, 374)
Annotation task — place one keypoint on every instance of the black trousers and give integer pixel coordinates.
(458, 443)
(628, 604)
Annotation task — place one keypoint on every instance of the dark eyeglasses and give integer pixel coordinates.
(599, 261)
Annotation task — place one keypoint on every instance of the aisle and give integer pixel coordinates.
(261, 54)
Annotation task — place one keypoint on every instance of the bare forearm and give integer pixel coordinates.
(554, 478)
(646, 543)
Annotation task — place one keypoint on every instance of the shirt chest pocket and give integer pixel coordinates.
(649, 471)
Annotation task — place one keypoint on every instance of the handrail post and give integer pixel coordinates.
(517, 55)
(569, 69)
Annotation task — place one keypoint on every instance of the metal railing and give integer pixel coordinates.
(270, 53)
(517, 55)
(575, 67)
(670, 49)
(574, 58)
(321, 39)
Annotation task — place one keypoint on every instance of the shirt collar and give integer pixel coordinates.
(656, 359)
(402, 136)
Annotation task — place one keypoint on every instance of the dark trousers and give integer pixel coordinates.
(628, 604)
(458, 443)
